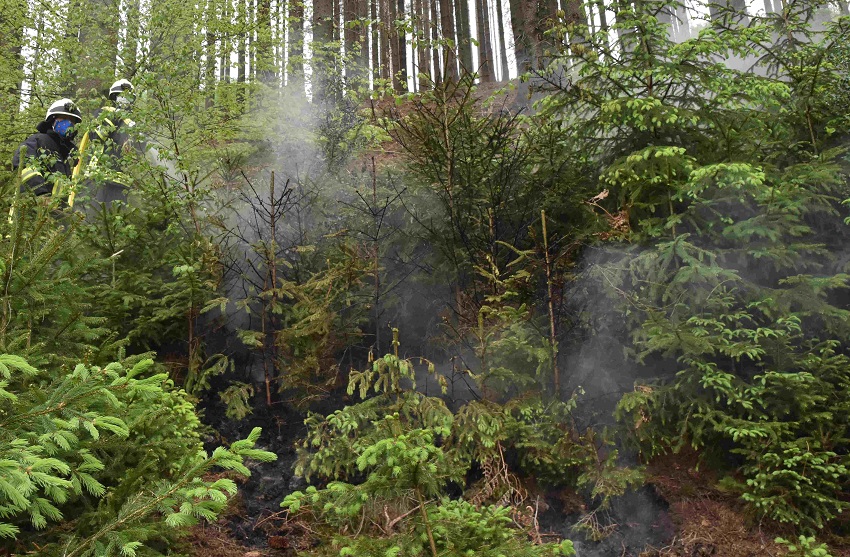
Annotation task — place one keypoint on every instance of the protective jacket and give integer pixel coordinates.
(112, 131)
(44, 152)
(110, 140)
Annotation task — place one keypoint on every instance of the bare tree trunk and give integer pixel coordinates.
(522, 24)
(224, 51)
(397, 45)
(434, 30)
(252, 41)
(210, 22)
(386, 29)
(421, 34)
(93, 58)
(356, 49)
(13, 15)
(323, 34)
(503, 47)
(401, 48)
(447, 25)
(374, 39)
(129, 55)
(264, 54)
(241, 53)
(464, 34)
(485, 49)
(295, 47)
(683, 27)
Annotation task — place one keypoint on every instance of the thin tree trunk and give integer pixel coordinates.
(252, 40)
(13, 15)
(553, 336)
(224, 50)
(355, 47)
(385, 30)
(447, 28)
(434, 47)
(522, 24)
(241, 53)
(485, 49)
(129, 55)
(503, 48)
(464, 46)
(263, 58)
(397, 45)
(323, 34)
(422, 59)
(401, 48)
(295, 47)
(210, 22)
(375, 39)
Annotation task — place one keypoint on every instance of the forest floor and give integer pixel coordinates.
(680, 513)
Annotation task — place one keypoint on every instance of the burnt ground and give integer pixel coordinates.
(679, 513)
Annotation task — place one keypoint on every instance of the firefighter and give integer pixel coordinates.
(111, 140)
(49, 151)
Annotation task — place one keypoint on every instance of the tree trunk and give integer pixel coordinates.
(323, 34)
(522, 24)
(683, 27)
(397, 45)
(485, 49)
(356, 50)
(503, 46)
(242, 51)
(252, 41)
(131, 44)
(447, 26)
(421, 33)
(295, 46)
(464, 44)
(13, 16)
(210, 23)
(435, 45)
(385, 29)
(224, 50)
(401, 48)
(264, 54)
(375, 39)
(95, 55)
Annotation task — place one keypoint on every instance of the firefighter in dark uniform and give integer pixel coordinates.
(111, 140)
(49, 153)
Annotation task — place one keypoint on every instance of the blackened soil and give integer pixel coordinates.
(261, 494)
(636, 520)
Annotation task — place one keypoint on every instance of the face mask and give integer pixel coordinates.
(62, 127)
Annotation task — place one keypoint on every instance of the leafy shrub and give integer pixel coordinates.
(390, 460)
(113, 451)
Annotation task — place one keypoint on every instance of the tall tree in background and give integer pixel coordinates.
(464, 45)
(13, 15)
(447, 33)
(211, 20)
(434, 34)
(295, 45)
(326, 64)
(485, 46)
(264, 60)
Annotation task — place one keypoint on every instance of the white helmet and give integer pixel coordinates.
(66, 108)
(119, 87)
